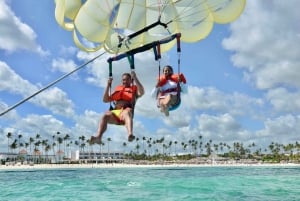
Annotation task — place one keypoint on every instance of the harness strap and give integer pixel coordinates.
(169, 90)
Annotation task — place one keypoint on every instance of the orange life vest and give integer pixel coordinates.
(174, 77)
(124, 93)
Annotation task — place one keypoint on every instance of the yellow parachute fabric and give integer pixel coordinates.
(102, 23)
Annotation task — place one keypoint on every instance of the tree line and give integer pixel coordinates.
(149, 148)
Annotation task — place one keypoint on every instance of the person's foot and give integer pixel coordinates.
(167, 112)
(164, 109)
(131, 138)
(94, 140)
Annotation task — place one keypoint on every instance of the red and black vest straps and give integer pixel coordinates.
(124, 93)
(174, 77)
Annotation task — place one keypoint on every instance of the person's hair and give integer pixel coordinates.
(170, 67)
(126, 74)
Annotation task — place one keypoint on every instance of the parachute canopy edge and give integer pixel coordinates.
(194, 19)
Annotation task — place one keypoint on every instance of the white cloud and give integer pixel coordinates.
(283, 129)
(212, 99)
(63, 65)
(9, 115)
(31, 125)
(284, 101)
(53, 99)
(56, 100)
(12, 82)
(218, 127)
(266, 43)
(16, 35)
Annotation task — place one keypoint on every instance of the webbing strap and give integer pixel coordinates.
(147, 47)
(131, 61)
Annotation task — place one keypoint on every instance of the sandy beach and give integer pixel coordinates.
(125, 165)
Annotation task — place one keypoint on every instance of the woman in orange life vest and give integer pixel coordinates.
(166, 89)
(124, 97)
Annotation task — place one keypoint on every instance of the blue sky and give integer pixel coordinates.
(243, 79)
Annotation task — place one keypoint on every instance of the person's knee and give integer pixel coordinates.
(127, 112)
(106, 116)
(173, 99)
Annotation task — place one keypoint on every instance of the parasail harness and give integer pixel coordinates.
(178, 88)
(157, 55)
(130, 58)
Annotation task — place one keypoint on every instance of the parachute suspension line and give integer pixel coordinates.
(186, 13)
(126, 40)
(158, 6)
(158, 58)
(178, 53)
(154, 45)
(130, 58)
(110, 76)
(51, 84)
(178, 71)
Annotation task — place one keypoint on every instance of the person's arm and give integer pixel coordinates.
(106, 97)
(140, 88)
(182, 83)
(154, 92)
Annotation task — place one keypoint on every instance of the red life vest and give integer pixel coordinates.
(174, 77)
(124, 93)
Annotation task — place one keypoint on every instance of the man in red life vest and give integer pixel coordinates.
(167, 89)
(124, 98)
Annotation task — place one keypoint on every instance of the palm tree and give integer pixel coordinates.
(124, 145)
(161, 141)
(200, 148)
(144, 138)
(200, 145)
(108, 140)
(175, 143)
(216, 148)
(183, 146)
(38, 136)
(36, 149)
(137, 147)
(26, 146)
(101, 147)
(9, 135)
(53, 145)
(195, 146)
(69, 147)
(208, 148)
(19, 140)
(169, 146)
(149, 145)
(66, 138)
(14, 145)
(31, 140)
(137, 144)
(77, 144)
(60, 141)
(47, 148)
(150, 149)
(82, 138)
(53, 148)
(44, 143)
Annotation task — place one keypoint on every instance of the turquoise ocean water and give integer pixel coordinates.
(191, 183)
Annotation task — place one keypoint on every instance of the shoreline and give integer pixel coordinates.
(130, 165)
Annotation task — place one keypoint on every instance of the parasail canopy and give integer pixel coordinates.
(121, 25)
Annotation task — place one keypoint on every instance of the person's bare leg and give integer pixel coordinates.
(164, 104)
(106, 118)
(127, 116)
